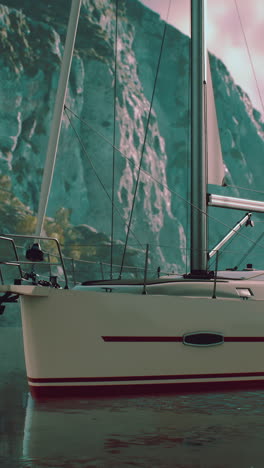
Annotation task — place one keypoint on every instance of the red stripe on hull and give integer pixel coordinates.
(43, 392)
(177, 339)
(145, 377)
(144, 339)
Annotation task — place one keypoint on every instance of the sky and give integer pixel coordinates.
(226, 38)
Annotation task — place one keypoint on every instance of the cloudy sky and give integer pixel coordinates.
(226, 38)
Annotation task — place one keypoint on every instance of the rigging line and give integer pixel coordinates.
(98, 178)
(249, 55)
(143, 147)
(114, 143)
(250, 249)
(130, 161)
(205, 122)
(164, 186)
(188, 147)
(244, 188)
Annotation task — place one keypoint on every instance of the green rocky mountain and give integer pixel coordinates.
(128, 104)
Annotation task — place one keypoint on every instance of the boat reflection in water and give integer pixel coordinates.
(164, 431)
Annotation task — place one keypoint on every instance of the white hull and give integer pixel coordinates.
(96, 342)
(119, 338)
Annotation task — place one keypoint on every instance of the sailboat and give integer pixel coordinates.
(201, 331)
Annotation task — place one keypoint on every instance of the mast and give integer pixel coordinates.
(198, 261)
(58, 112)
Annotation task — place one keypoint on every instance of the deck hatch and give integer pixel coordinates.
(203, 339)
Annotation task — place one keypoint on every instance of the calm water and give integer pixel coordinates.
(214, 431)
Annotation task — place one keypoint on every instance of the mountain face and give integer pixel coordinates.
(127, 107)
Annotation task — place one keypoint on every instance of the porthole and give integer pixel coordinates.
(203, 339)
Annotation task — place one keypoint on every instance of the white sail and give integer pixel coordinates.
(216, 167)
(58, 112)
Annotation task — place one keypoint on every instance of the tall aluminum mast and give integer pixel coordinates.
(198, 158)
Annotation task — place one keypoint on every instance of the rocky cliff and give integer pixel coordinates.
(127, 106)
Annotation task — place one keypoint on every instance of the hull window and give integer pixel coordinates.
(203, 339)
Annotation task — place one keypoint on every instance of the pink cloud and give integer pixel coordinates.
(225, 36)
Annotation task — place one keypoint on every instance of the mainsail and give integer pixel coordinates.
(215, 165)
(216, 170)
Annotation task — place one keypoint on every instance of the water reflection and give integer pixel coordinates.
(13, 395)
(185, 431)
(209, 431)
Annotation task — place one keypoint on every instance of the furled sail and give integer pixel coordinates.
(215, 167)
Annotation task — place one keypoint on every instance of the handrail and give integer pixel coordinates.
(15, 251)
(21, 262)
(73, 271)
(22, 236)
